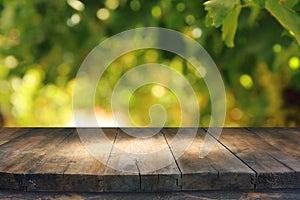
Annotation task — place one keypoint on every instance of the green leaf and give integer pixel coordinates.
(290, 3)
(288, 18)
(229, 26)
(218, 10)
(259, 3)
(208, 21)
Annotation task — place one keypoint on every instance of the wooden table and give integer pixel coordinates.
(54, 159)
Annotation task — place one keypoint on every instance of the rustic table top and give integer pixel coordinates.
(55, 159)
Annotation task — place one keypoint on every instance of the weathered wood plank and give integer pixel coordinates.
(261, 157)
(7, 134)
(71, 167)
(11, 181)
(6, 131)
(138, 164)
(121, 173)
(57, 160)
(286, 140)
(220, 169)
(155, 162)
(83, 161)
(47, 174)
(85, 172)
(20, 154)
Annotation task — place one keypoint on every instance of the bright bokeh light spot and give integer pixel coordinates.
(158, 91)
(156, 12)
(190, 19)
(277, 48)
(16, 83)
(32, 78)
(236, 114)
(76, 4)
(180, 7)
(104, 118)
(11, 62)
(176, 64)
(246, 81)
(20, 104)
(292, 33)
(135, 5)
(197, 32)
(151, 56)
(112, 4)
(129, 59)
(294, 63)
(75, 19)
(103, 14)
(201, 72)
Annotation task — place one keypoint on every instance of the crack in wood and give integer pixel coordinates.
(230, 151)
(140, 176)
(171, 152)
(256, 154)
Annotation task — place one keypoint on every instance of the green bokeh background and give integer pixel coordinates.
(43, 43)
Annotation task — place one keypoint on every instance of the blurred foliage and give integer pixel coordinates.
(226, 13)
(43, 43)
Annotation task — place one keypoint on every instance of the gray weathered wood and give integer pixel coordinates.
(155, 162)
(52, 159)
(220, 169)
(137, 161)
(261, 157)
(127, 179)
(21, 153)
(69, 168)
(286, 140)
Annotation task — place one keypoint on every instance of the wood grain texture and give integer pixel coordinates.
(141, 162)
(57, 159)
(155, 162)
(262, 157)
(127, 179)
(69, 168)
(286, 140)
(21, 153)
(211, 172)
(7, 134)
(32, 143)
